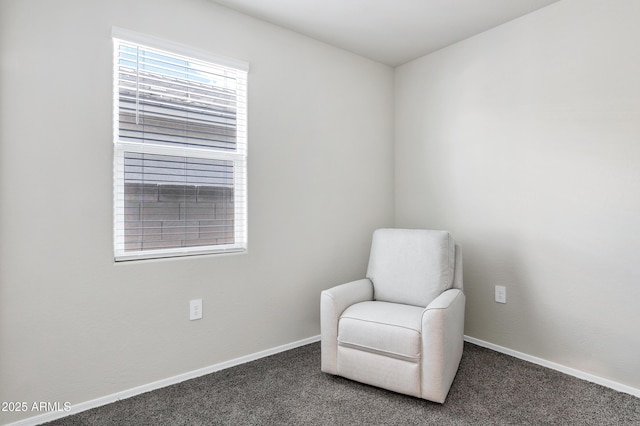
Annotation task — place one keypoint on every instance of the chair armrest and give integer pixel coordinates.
(333, 302)
(442, 343)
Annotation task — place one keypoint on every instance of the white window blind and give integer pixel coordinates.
(180, 125)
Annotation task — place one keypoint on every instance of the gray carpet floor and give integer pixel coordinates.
(289, 389)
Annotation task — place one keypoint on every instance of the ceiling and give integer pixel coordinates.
(389, 31)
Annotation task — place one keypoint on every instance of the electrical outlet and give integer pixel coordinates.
(501, 294)
(195, 309)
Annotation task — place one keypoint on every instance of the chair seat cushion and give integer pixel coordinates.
(390, 329)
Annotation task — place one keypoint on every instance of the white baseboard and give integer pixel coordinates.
(98, 402)
(558, 367)
(83, 406)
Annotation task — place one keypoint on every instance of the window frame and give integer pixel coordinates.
(238, 155)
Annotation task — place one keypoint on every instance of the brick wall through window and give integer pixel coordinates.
(177, 215)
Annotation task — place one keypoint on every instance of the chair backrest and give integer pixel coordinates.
(411, 266)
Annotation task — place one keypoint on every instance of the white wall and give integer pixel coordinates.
(75, 326)
(524, 141)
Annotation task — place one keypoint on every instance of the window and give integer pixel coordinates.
(180, 137)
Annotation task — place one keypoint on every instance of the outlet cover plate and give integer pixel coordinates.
(195, 309)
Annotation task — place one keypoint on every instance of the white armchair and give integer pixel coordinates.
(402, 327)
